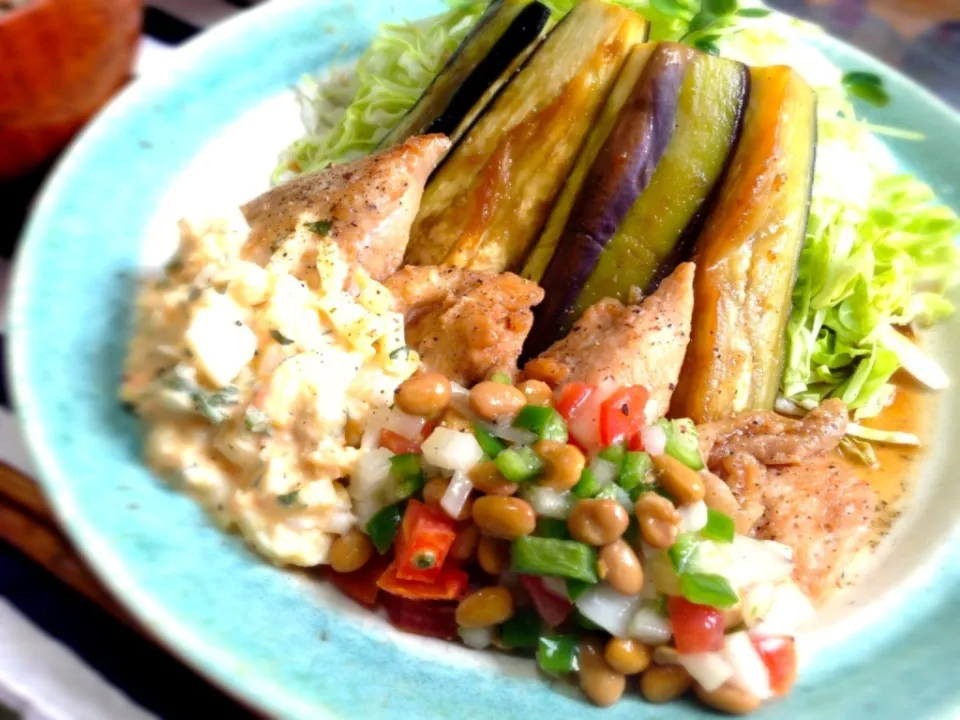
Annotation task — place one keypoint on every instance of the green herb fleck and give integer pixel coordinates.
(866, 86)
(320, 227)
(289, 499)
(257, 421)
(280, 337)
(401, 351)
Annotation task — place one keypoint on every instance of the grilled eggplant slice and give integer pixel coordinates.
(485, 206)
(747, 255)
(539, 257)
(503, 38)
(648, 188)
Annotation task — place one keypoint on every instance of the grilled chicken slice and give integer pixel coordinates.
(824, 512)
(465, 324)
(774, 439)
(367, 206)
(627, 344)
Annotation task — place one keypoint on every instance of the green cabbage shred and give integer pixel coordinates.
(879, 253)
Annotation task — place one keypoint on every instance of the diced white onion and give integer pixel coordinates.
(623, 497)
(409, 426)
(788, 611)
(340, 522)
(460, 400)
(476, 638)
(649, 627)
(452, 450)
(375, 423)
(507, 432)
(749, 671)
(693, 516)
(369, 480)
(556, 585)
(608, 608)
(755, 561)
(755, 603)
(654, 439)
(605, 472)
(456, 494)
(547, 502)
(707, 668)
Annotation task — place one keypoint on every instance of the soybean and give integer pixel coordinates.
(504, 517)
(598, 522)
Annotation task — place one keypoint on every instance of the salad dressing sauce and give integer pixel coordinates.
(913, 410)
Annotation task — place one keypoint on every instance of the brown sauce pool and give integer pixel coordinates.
(913, 410)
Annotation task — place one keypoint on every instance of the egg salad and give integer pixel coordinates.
(255, 380)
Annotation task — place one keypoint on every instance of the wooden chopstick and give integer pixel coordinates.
(25, 492)
(27, 523)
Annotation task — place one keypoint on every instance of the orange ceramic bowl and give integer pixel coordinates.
(60, 60)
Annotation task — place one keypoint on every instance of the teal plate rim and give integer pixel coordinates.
(262, 634)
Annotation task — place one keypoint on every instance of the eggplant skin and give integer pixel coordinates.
(648, 188)
(538, 259)
(507, 32)
(747, 255)
(619, 174)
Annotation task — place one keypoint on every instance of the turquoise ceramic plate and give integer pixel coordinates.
(206, 132)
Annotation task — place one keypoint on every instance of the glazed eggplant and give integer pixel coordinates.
(643, 199)
(485, 206)
(503, 38)
(540, 255)
(747, 255)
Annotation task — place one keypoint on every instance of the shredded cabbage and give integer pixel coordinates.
(879, 251)
(347, 111)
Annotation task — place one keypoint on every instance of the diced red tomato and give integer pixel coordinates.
(571, 396)
(450, 584)
(635, 442)
(779, 654)
(621, 415)
(397, 443)
(696, 628)
(550, 606)
(361, 585)
(434, 619)
(425, 537)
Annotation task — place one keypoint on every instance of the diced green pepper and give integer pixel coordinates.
(502, 378)
(587, 486)
(719, 527)
(407, 471)
(405, 464)
(488, 442)
(406, 487)
(532, 555)
(522, 631)
(634, 471)
(558, 653)
(708, 589)
(683, 443)
(382, 527)
(682, 551)
(576, 588)
(640, 489)
(552, 528)
(546, 422)
(614, 454)
(519, 464)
